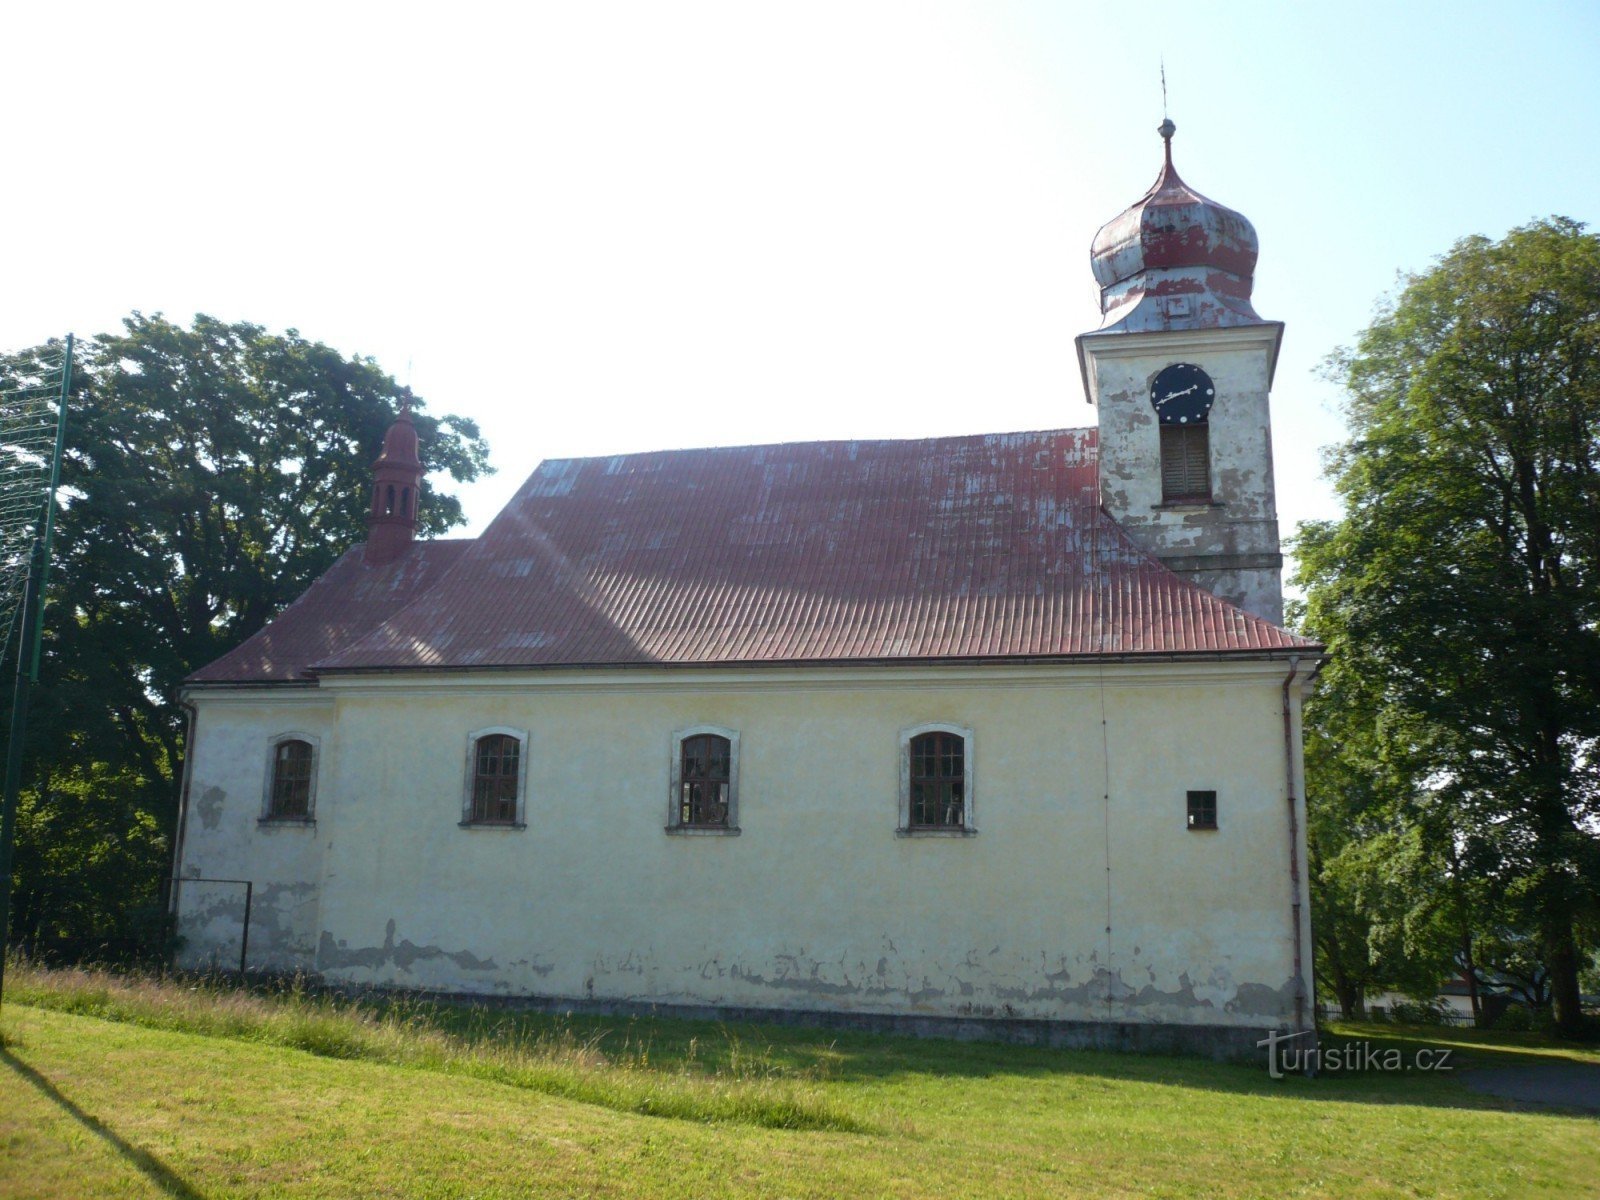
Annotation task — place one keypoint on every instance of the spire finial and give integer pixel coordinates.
(405, 403)
(1166, 129)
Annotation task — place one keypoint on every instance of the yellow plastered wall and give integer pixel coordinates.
(817, 903)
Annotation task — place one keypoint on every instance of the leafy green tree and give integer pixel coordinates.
(1385, 913)
(1460, 594)
(211, 473)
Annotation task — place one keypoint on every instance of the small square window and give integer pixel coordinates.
(1202, 810)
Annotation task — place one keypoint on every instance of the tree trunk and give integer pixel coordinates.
(1352, 998)
(1561, 959)
(1470, 971)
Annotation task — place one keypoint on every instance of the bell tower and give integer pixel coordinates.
(396, 485)
(1179, 372)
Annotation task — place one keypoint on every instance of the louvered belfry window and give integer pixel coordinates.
(1185, 462)
(497, 758)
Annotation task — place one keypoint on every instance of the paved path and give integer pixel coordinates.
(1569, 1084)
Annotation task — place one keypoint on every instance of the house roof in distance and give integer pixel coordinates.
(955, 548)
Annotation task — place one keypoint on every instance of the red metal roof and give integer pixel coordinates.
(350, 600)
(946, 548)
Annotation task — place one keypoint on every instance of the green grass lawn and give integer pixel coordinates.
(106, 1089)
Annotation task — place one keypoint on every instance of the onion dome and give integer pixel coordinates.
(1175, 260)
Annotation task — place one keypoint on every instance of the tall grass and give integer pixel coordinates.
(608, 1069)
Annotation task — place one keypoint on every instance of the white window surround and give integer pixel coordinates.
(675, 783)
(969, 777)
(470, 775)
(276, 740)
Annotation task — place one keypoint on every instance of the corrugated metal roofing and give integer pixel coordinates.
(945, 548)
(350, 600)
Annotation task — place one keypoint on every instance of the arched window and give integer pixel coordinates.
(936, 781)
(1186, 462)
(405, 502)
(704, 793)
(291, 778)
(496, 779)
(388, 502)
(706, 783)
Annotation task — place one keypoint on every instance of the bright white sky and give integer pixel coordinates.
(599, 228)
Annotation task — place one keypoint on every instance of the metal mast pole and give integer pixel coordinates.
(50, 508)
(19, 725)
(30, 629)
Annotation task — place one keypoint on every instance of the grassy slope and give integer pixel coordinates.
(91, 1107)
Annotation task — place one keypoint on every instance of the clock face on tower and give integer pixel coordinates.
(1182, 394)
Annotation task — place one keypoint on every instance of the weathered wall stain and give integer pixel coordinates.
(209, 806)
(336, 954)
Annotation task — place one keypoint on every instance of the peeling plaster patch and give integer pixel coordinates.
(332, 954)
(209, 807)
(1217, 991)
(1184, 997)
(811, 983)
(1101, 988)
(925, 993)
(1257, 999)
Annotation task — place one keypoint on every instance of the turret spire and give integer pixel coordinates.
(396, 485)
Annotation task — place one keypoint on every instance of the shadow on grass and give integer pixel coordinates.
(827, 1054)
(851, 1057)
(153, 1169)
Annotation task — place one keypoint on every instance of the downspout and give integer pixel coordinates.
(1294, 849)
(192, 716)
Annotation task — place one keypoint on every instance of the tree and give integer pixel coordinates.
(211, 473)
(1460, 594)
(1386, 914)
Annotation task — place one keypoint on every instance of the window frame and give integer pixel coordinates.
(674, 824)
(470, 780)
(1195, 805)
(969, 784)
(268, 816)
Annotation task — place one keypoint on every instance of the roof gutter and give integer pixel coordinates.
(1291, 778)
(192, 716)
(1291, 653)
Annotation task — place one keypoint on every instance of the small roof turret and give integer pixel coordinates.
(1175, 260)
(396, 488)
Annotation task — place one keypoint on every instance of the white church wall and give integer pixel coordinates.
(226, 841)
(816, 903)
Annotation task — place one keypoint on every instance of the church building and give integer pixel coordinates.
(984, 735)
